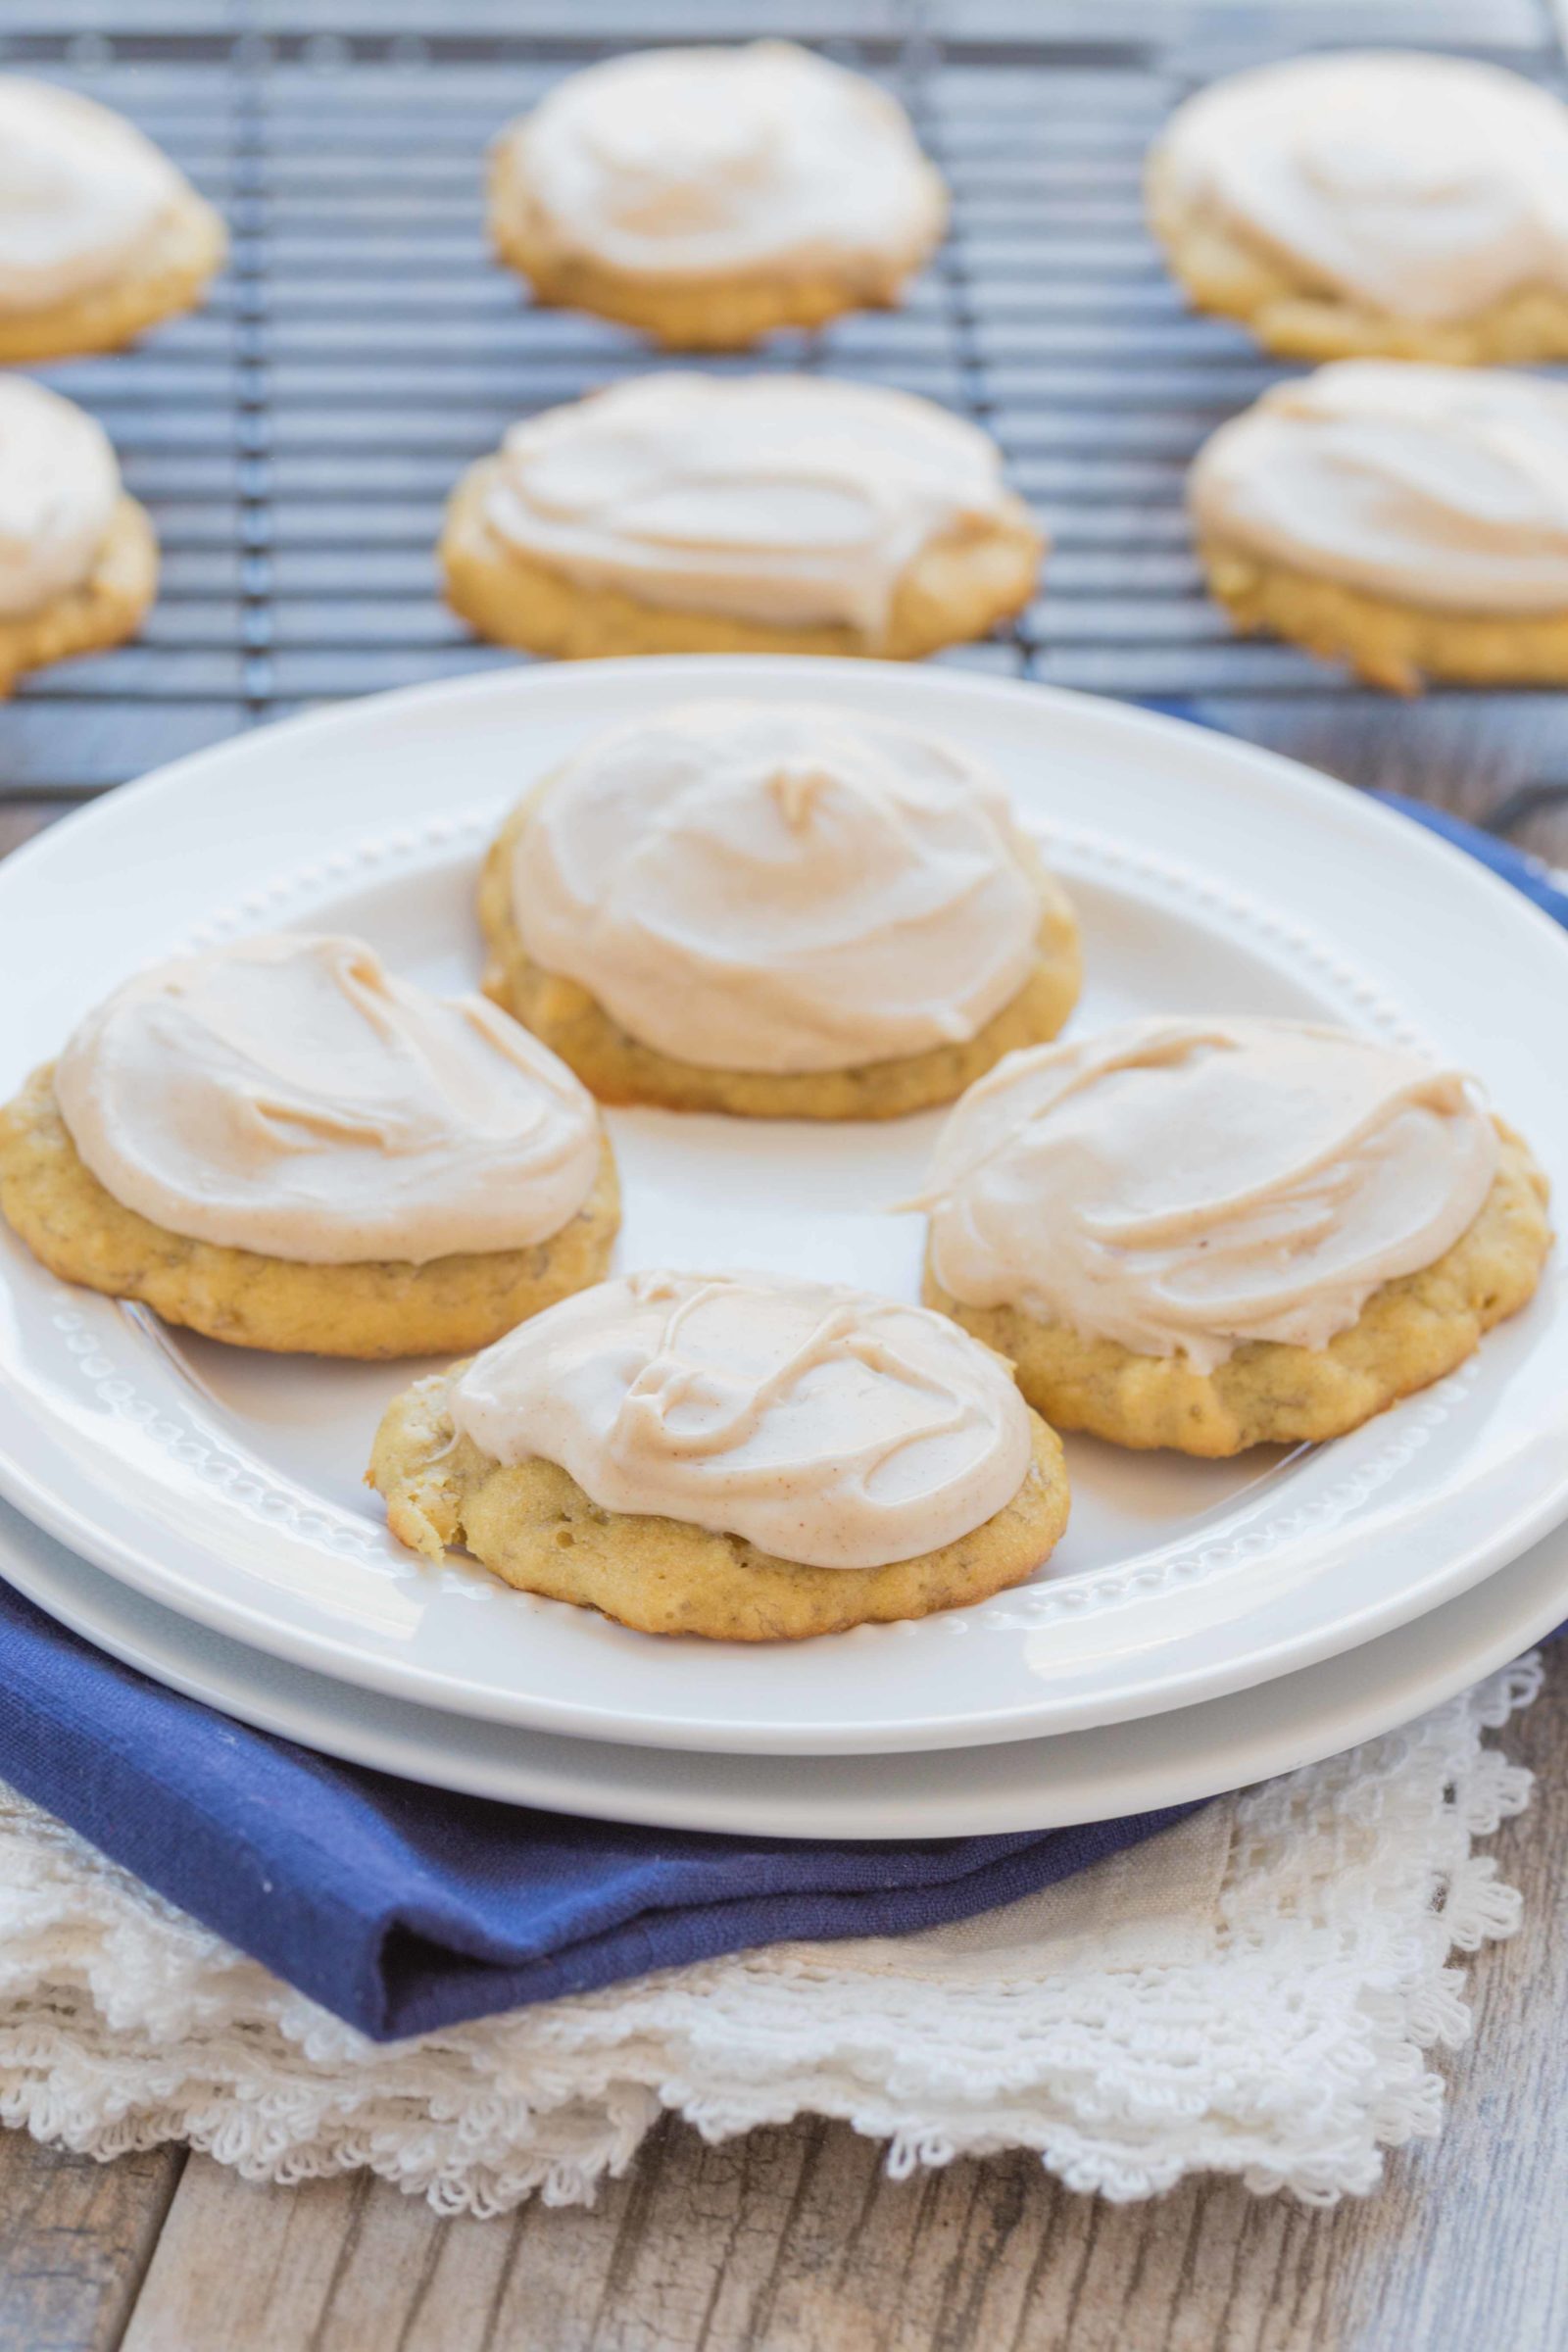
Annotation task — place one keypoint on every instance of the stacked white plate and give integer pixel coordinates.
(200, 1510)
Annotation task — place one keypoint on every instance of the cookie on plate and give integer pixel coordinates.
(281, 1144)
(784, 910)
(746, 1458)
(1216, 1234)
(1410, 520)
(709, 195)
(78, 561)
(1373, 205)
(776, 514)
(100, 236)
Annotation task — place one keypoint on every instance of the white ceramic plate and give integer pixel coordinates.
(1209, 876)
(1168, 1759)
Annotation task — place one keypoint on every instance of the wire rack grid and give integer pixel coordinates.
(295, 440)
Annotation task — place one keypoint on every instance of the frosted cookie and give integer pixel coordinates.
(709, 195)
(100, 236)
(1373, 204)
(779, 910)
(746, 1458)
(281, 1144)
(78, 562)
(1215, 1234)
(1410, 520)
(689, 513)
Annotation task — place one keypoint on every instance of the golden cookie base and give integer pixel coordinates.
(370, 1308)
(1390, 645)
(532, 1525)
(1221, 271)
(956, 589)
(170, 278)
(108, 607)
(1410, 1333)
(697, 314)
(619, 1069)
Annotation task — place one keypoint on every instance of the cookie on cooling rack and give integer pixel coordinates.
(709, 195)
(1411, 520)
(78, 562)
(1216, 1234)
(1371, 204)
(100, 236)
(744, 1457)
(782, 910)
(781, 514)
(281, 1146)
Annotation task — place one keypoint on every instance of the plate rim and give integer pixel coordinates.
(375, 1730)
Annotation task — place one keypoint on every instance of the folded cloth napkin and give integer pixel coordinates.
(402, 1909)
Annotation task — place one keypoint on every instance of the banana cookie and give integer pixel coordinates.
(709, 195)
(745, 1458)
(100, 236)
(78, 561)
(1410, 520)
(777, 515)
(777, 909)
(282, 1145)
(1373, 205)
(1217, 1234)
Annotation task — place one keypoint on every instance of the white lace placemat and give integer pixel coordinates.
(1254, 1992)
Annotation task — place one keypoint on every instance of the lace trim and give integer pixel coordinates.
(1269, 2019)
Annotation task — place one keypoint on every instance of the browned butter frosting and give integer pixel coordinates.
(1185, 1186)
(1424, 186)
(1441, 487)
(290, 1096)
(822, 1424)
(782, 886)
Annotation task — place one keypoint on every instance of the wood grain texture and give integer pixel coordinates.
(75, 2239)
(795, 2241)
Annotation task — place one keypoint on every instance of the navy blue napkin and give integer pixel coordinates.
(401, 1908)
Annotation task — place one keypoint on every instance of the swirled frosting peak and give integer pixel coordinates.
(697, 162)
(80, 190)
(288, 1095)
(1438, 486)
(823, 1425)
(58, 487)
(789, 500)
(1425, 187)
(778, 885)
(1186, 1186)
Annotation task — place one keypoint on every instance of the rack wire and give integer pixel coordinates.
(295, 441)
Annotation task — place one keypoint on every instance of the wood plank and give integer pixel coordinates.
(75, 2237)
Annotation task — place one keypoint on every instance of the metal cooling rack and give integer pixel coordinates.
(295, 441)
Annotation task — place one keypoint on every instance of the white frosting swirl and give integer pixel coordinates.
(288, 1095)
(59, 488)
(823, 1425)
(81, 191)
(1440, 486)
(778, 887)
(1426, 187)
(787, 500)
(697, 163)
(1185, 1186)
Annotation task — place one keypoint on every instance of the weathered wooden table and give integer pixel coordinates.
(294, 444)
